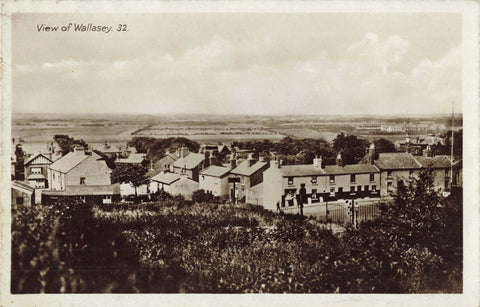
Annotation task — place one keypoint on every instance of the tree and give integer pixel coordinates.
(134, 174)
(67, 143)
(351, 147)
(383, 145)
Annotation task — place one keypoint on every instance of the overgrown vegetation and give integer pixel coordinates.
(173, 245)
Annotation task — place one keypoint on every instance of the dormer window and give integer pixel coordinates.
(82, 180)
(332, 178)
(314, 179)
(290, 180)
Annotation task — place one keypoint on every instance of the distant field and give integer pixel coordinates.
(307, 133)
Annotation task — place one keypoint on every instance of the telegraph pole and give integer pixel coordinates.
(451, 146)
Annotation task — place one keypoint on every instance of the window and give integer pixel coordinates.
(332, 178)
(203, 177)
(82, 180)
(372, 177)
(314, 179)
(389, 173)
(82, 198)
(19, 200)
(374, 187)
(365, 188)
(359, 188)
(352, 189)
(314, 193)
(35, 170)
(352, 178)
(340, 190)
(410, 174)
(290, 180)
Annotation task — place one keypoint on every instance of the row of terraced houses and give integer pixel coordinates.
(85, 175)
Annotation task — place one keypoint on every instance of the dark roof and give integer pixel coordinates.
(81, 190)
(301, 170)
(350, 169)
(434, 162)
(215, 171)
(396, 160)
(245, 170)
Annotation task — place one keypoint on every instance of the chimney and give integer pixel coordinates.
(79, 149)
(340, 160)
(233, 161)
(250, 160)
(317, 162)
(371, 154)
(274, 163)
(427, 152)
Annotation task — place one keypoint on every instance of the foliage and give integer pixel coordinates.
(172, 245)
(134, 174)
(201, 196)
(351, 147)
(67, 143)
(383, 145)
(156, 148)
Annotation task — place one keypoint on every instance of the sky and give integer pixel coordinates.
(239, 63)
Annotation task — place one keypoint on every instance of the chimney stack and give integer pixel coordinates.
(371, 154)
(340, 160)
(233, 161)
(427, 152)
(250, 160)
(317, 162)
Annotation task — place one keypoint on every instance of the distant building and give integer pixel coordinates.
(166, 163)
(214, 179)
(112, 151)
(134, 158)
(22, 194)
(190, 165)
(174, 184)
(36, 170)
(250, 174)
(80, 175)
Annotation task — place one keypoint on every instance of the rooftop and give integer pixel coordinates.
(245, 170)
(167, 178)
(215, 171)
(134, 158)
(434, 162)
(86, 190)
(350, 169)
(192, 160)
(397, 160)
(301, 170)
(70, 160)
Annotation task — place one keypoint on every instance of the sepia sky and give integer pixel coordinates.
(274, 64)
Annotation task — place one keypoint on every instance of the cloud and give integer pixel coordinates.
(265, 76)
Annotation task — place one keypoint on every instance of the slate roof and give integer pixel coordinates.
(244, 170)
(167, 178)
(396, 160)
(350, 169)
(190, 161)
(215, 171)
(301, 170)
(70, 160)
(434, 162)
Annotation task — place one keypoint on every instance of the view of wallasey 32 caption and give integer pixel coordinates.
(81, 27)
